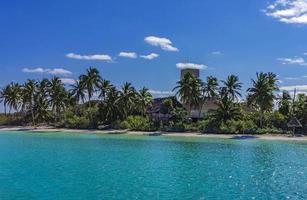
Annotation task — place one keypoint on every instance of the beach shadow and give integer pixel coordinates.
(244, 137)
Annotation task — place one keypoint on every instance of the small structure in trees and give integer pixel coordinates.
(294, 123)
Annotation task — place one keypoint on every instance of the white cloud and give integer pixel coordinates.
(59, 71)
(292, 78)
(128, 54)
(293, 61)
(68, 81)
(164, 43)
(305, 54)
(191, 66)
(55, 71)
(34, 70)
(299, 88)
(159, 93)
(101, 57)
(288, 11)
(217, 53)
(150, 56)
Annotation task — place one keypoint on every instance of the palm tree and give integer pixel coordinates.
(189, 91)
(210, 88)
(127, 99)
(4, 96)
(261, 94)
(58, 97)
(110, 108)
(104, 86)
(91, 81)
(78, 91)
(233, 87)
(226, 108)
(11, 97)
(41, 99)
(29, 90)
(144, 100)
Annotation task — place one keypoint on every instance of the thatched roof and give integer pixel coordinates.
(157, 105)
(294, 123)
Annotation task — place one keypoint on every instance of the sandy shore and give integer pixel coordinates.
(186, 134)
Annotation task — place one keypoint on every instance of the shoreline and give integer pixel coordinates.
(173, 134)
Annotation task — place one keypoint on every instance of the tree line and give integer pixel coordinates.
(94, 101)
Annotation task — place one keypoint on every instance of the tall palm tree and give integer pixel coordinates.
(78, 91)
(91, 81)
(42, 102)
(189, 91)
(11, 97)
(226, 108)
(58, 97)
(4, 96)
(29, 90)
(104, 87)
(144, 100)
(261, 94)
(127, 99)
(233, 87)
(210, 88)
(110, 108)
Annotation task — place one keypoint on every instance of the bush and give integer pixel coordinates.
(175, 127)
(137, 123)
(238, 126)
(269, 130)
(75, 122)
(4, 120)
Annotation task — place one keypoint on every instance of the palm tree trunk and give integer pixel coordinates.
(32, 113)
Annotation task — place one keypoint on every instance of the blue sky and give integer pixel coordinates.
(42, 38)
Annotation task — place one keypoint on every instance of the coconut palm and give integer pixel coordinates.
(233, 87)
(4, 96)
(110, 108)
(11, 97)
(210, 88)
(58, 97)
(261, 94)
(226, 108)
(127, 99)
(104, 87)
(78, 91)
(189, 91)
(91, 81)
(41, 99)
(144, 100)
(29, 90)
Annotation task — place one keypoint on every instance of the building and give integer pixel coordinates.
(201, 110)
(159, 112)
(195, 72)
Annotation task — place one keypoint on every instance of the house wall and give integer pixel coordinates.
(209, 105)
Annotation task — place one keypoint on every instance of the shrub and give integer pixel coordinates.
(75, 122)
(137, 123)
(238, 126)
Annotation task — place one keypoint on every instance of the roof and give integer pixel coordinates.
(294, 122)
(157, 104)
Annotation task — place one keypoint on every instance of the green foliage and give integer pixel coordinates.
(238, 126)
(4, 120)
(74, 122)
(136, 123)
(179, 115)
(175, 127)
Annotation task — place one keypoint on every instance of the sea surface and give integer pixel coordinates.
(91, 166)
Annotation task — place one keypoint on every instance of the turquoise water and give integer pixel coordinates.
(79, 166)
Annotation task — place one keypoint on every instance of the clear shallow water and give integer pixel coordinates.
(78, 166)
